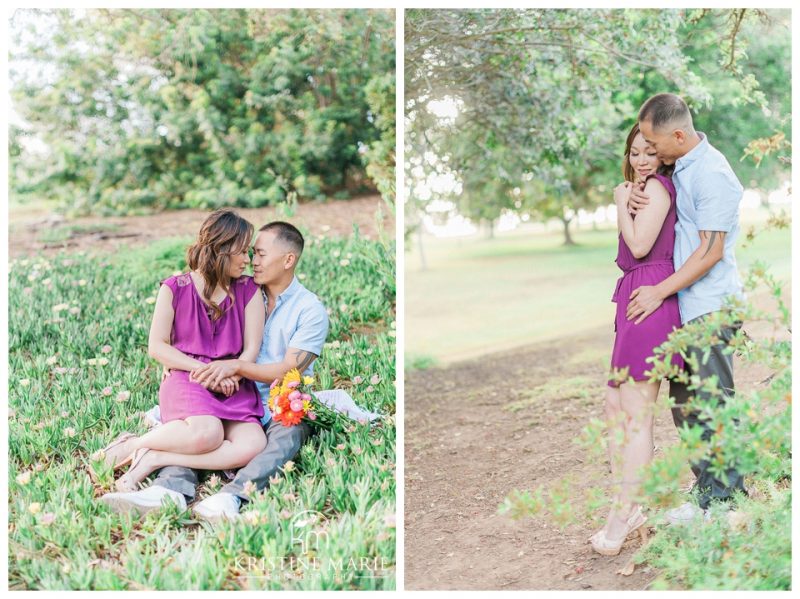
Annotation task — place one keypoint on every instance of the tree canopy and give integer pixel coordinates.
(544, 97)
(171, 108)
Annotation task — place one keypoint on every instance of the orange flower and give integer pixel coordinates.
(286, 416)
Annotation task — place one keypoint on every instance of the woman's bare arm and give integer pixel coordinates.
(254, 318)
(158, 345)
(641, 233)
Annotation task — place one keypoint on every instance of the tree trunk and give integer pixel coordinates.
(423, 262)
(567, 237)
(490, 229)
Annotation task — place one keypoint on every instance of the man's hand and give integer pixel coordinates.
(638, 198)
(643, 302)
(213, 373)
(622, 193)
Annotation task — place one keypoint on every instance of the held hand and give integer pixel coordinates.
(622, 192)
(213, 373)
(229, 386)
(638, 199)
(643, 302)
(164, 373)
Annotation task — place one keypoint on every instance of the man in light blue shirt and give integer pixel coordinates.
(296, 321)
(706, 277)
(708, 200)
(294, 334)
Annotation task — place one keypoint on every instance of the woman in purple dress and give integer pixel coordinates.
(646, 244)
(212, 312)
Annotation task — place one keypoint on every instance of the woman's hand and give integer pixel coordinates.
(213, 373)
(229, 386)
(621, 194)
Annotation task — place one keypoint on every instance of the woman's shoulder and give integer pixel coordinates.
(656, 182)
(244, 281)
(177, 281)
(247, 285)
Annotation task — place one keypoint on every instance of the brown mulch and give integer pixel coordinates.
(32, 232)
(465, 452)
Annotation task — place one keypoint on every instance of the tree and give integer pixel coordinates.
(168, 108)
(552, 92)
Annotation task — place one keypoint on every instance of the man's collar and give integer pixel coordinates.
(293, 288)
(695, 153)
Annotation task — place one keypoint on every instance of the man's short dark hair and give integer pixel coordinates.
(663, 109)
(287, 234)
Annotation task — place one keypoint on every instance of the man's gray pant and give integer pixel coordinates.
(283, 444)
(721, 364)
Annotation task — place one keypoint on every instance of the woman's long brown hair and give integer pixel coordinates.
(627, 169)
(222, 234)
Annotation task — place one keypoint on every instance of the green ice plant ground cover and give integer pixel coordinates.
(79, 375)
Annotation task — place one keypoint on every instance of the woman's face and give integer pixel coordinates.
(643, 158)
(238, 261)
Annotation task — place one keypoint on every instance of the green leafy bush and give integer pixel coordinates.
(752, 432)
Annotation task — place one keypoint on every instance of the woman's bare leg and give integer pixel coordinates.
(615, 423)
(193, 435)
(243, 441)
(638, 401)
(615, 427)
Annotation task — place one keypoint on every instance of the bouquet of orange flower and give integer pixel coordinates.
(291, 402)
(290, 399)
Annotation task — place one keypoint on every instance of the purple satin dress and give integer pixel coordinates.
(196, 335)
(634, 343)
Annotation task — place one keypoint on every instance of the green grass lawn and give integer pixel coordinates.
(479, 295)
(79, 374)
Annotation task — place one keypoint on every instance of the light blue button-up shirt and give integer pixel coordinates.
(708, 200)
(299, 320)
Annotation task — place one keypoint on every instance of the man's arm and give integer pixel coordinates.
(212, 373)
(266, 373)
(646, 300)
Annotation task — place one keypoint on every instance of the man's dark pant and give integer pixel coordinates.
(721, 364)
(283, 444)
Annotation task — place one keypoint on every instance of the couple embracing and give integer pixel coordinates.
(222, 337)
(677, 214)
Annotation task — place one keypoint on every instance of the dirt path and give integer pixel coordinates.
(461, 460)
(36, 231)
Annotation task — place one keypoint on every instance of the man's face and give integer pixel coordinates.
(269, 259)
(666, 142)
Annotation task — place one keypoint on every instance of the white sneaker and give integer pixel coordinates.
(685, 514)
(219, 506)
(146, 500)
